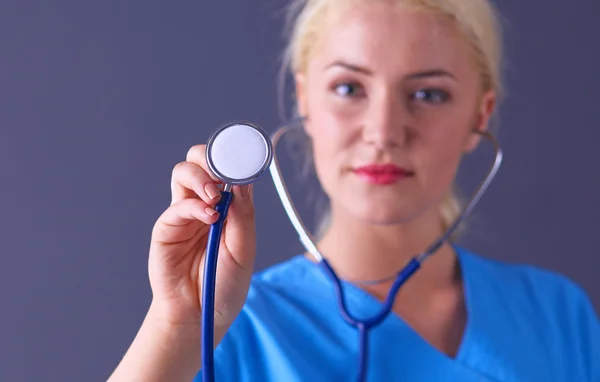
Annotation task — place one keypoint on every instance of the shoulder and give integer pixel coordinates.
(280, 286)
(542, 304)
(284, 283)
(545, 288)
(268, 321)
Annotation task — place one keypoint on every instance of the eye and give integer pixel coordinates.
(434, 96)
(348, 89)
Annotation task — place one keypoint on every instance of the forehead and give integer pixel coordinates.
(389, 39)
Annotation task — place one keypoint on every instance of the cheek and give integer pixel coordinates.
(331, 138)
(440, 156)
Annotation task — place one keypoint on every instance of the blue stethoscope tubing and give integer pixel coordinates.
(363, 324)
(208, 288)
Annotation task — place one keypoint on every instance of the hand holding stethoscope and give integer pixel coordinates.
(182, 233)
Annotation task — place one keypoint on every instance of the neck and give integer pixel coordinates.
(362, 251)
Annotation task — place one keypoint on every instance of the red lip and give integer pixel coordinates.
(382, 173)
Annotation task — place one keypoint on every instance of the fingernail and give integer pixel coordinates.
(211, 191)
(210, 211)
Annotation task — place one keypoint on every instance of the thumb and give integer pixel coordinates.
(240, 228)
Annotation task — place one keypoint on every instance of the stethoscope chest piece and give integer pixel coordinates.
(239, 153)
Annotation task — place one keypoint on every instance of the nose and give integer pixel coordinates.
(384, 122)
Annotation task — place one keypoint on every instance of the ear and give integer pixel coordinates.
(301, 98)
(482, 119)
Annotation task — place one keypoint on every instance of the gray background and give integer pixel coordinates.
(100, 99)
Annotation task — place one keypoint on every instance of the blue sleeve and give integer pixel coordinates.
(587, 326)
(562, 322)
(577, 329)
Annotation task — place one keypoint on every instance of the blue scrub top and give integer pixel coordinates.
(524, 325)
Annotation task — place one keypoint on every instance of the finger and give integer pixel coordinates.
(240, 230)
(197, 155)
(179, 215)
(189, 180)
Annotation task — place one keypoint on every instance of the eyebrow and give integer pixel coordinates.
(431, 73)
(352, 67)
(411, 76)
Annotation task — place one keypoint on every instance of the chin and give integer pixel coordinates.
(378, 212)
(381, 205)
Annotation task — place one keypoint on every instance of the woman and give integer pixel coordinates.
(392, 93)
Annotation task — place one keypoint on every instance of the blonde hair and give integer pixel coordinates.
(476, 20)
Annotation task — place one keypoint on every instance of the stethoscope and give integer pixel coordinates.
(238, 154)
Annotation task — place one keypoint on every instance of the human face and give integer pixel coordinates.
(396, 87)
